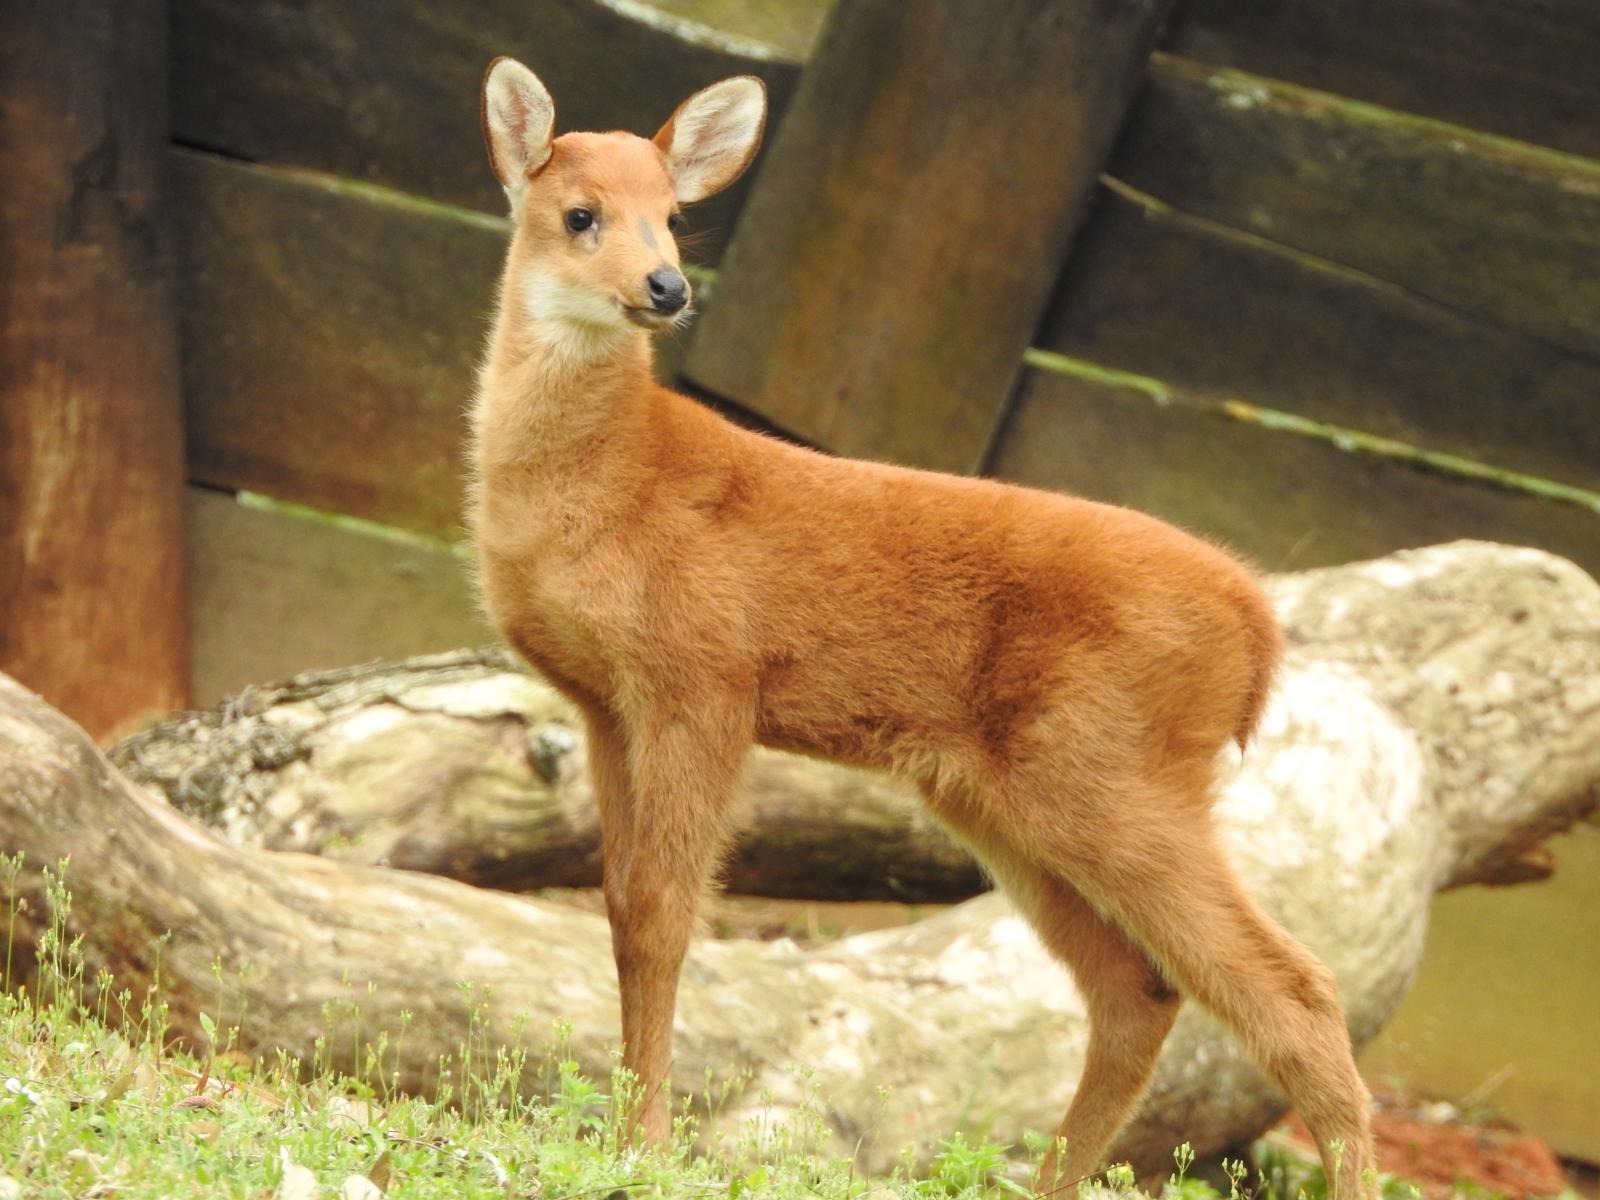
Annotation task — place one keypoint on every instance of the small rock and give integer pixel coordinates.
(359, 1187)
(341, 1110)
(547, 746)
(298, 1183)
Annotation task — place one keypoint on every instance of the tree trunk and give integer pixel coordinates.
(1440, 713)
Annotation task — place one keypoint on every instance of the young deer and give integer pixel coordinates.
(1058, 677)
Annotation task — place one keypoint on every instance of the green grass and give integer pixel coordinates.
(98, 1099)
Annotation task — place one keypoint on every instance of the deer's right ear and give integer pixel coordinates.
(518, 117)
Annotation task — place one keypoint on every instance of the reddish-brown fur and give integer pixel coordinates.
(1057, 676)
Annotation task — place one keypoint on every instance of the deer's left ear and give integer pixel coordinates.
(713, 135)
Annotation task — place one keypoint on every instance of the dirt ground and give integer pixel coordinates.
(1434, 1146)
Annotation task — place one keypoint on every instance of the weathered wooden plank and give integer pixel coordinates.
(1492, 227)
(1287, 501)
(902, 241)
(92, 599)
(1224, 314)
(1522, 68)
(789, 26)
(388, 93)
(277, 593)
(330, 337)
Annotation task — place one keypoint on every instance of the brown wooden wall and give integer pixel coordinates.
(1338, 293)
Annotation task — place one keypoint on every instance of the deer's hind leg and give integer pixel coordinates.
(1131, 1009)
(1144, 854)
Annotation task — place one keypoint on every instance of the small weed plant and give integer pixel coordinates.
(98, 1100)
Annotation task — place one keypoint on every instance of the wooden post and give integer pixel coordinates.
(92, 598)
(903, 237)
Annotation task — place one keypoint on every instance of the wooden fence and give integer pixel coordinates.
(1336, 292)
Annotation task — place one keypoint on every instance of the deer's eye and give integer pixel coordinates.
(579, 219)
(677, 223)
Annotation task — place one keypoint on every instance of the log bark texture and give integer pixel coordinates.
(465, 765)
(1440, 713)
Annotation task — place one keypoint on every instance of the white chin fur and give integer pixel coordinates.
(581, 322)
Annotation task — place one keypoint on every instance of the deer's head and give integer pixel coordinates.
(597, 214)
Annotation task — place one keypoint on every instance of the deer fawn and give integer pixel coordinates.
(1058, 677)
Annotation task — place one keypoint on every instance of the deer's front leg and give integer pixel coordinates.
(661, 847)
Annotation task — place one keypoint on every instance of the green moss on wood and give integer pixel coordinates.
(1353, 441)
(358, 525)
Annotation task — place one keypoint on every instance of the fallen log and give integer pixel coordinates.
(1440, 713)
(466, 765)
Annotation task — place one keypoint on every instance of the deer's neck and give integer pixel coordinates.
(549, 387)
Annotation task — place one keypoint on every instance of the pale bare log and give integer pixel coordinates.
(465, 765)
(1440, 712)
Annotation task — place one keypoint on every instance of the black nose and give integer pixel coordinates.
(669, 290)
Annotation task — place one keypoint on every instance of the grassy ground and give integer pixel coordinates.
(97, 1100)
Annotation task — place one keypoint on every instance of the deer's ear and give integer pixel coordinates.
(518, 117)
(713, 136)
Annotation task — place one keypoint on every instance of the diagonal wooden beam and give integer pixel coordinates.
(903, 237)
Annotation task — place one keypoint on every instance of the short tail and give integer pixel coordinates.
(1264, 646)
